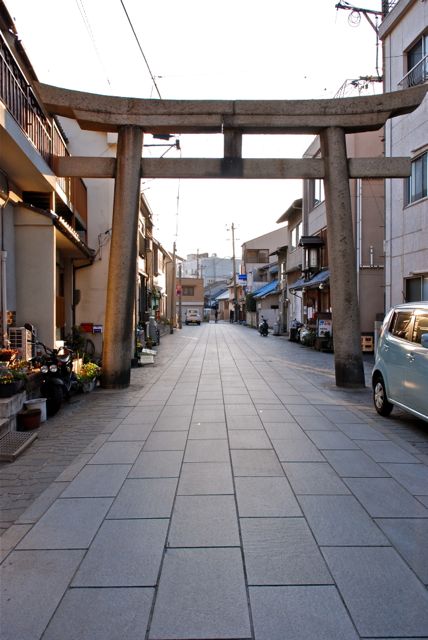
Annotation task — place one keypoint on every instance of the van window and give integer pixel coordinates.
(420, 327)
(400, 324)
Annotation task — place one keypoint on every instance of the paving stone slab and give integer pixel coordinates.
(166, 441)
(261, 462)
(201, 478)
(32, 585)
(297, 449)
(11, 537)
(386, 451)
(101, 614)
(360, 431)
(131, 432)
(171, 423)
(282, 551)
(385, 498)
(237, 398)
(117, 453)
(97, 481)
(265, 497)
(144, 498)
(173, 411)
(315, 423)
(42, 503)
(244, 422)
(157, 464)
(298, 410)
(204, 521)
(281, 430)
(124, 553)
(201, 595)
(367, 578)
(300, 613)
(207, 451)
(410, 538)
(143, 415)
(70, 523)
(314, 478)
(248, 439)
(209, 413)
(340, 521)
(275, 415)
(354, 464)
(414, 477)
(240, 410)
(208, 430)
(331, 440)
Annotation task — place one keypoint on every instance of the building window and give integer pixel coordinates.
(417, 289)
(417, 63)
(319, 195)
(188, 291)
(418, 181)
(256, 256)
(296, 234)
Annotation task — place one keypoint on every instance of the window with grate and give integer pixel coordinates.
(417, 184)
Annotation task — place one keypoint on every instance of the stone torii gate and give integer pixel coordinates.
(330, 119)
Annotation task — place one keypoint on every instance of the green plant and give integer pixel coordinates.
(89, 371)
(6, 376)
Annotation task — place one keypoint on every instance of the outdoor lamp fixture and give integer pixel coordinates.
(321, 286)
(303, 289)
(4, 189)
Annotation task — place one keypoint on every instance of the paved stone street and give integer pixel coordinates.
(232, 491)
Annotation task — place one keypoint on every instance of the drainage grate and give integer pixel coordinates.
(12, 444)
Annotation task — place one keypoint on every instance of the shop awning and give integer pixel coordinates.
(311, 283)
(267, 289)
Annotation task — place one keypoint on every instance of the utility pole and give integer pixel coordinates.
(172, 311)
(235, 288)
(180, 324)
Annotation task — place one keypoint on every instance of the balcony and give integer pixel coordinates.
(42, 132)
(417, 75)
(387, 6)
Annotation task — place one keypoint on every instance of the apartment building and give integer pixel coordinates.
(404, 33)
(56, 232)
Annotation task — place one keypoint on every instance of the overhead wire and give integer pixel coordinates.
(85, 19)
(141, 49)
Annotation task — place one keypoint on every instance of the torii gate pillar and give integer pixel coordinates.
(117, 350)
(341, 255)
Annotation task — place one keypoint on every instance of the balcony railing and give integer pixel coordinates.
(22, 104)
(387, 6)
(417, 75)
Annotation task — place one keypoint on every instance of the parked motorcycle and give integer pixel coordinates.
(263, 327)
(59, 380)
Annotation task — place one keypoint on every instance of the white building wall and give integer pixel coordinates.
(406, 234)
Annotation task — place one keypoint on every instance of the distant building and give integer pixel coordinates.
(211, 268)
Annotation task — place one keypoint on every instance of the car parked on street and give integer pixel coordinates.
(192, 316)
(400, 373)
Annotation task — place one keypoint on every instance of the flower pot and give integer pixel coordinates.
(10, 388)
(28, 419)
(89, 385)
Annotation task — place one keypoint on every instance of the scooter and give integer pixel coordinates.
(264, 328)
(59, 380)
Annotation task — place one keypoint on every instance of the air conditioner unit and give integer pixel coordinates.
(20, 339)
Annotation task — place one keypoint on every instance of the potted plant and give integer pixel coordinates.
(88, 375)
(10, 383)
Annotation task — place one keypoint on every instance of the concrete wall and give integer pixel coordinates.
(35, 273)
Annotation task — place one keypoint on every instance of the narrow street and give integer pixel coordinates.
(232, 491)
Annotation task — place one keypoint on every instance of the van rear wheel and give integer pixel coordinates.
(380, 399)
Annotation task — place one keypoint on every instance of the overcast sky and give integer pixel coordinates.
(203, 49)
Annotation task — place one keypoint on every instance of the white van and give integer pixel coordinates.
(193, 316)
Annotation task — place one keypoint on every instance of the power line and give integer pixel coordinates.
(141, 49)
(85, 19)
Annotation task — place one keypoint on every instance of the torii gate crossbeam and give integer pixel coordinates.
(331, 119)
